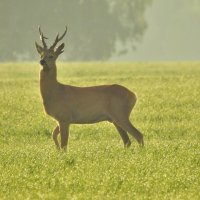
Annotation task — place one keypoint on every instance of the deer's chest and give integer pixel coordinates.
(56, 106)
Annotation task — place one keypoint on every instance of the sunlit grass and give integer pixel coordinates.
(96, 165)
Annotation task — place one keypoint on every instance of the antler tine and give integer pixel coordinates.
(42, 37)
(58, 39)
(62, 36)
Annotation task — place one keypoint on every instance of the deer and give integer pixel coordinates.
(69, 104)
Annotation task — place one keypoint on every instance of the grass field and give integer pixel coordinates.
(96, 166)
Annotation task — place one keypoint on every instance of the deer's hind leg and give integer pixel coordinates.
(121, 118)
(127, 126)
(55, 134)
(123, 135)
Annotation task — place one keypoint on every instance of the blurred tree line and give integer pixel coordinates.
(97, 29)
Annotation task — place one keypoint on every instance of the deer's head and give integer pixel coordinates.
(49, 55)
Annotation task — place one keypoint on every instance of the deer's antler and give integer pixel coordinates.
(58, 39)
(42, 37)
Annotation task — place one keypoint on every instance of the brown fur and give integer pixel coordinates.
(82, 105)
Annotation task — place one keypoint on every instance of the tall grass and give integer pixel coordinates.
(96, 166)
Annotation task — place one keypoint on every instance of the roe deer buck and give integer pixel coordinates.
(81, 105)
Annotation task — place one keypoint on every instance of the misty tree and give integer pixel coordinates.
(97, 29)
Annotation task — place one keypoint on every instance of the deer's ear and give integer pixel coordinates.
(39, 48)
(60, 49)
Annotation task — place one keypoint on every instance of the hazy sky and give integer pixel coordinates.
(173, 32)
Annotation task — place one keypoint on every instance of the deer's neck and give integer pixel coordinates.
(48, 82)
(49, 75)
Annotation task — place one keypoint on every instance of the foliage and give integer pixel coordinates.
(96, 27)
(96, 165)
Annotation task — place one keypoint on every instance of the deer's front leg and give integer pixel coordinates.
(55, 133)
(64, 133)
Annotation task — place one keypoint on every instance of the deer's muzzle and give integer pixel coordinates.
(42, 62)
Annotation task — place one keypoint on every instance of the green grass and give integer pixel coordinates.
(96, 166)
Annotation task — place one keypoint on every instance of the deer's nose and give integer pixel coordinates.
(42, 62)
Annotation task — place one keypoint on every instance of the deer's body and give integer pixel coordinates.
(84, 105)
(80, 105)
